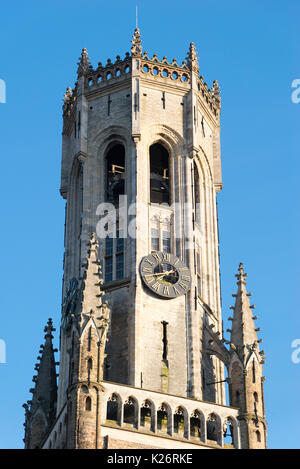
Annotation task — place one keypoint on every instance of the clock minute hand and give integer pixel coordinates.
(152, 275)
(160, 273)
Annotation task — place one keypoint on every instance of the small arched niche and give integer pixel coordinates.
(115, 173)
(159, 174)
(147, 415)
(113, 408)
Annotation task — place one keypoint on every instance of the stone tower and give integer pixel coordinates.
(141, 169)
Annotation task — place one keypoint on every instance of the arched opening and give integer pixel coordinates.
(159, 175)
(130, 411)
(228, 434)
(258, 436)
(179, 422)
(88, 404)
(113, 408)
(212, 428)
(146, 415)
(195, 425)
(115, 173)
(162, 419)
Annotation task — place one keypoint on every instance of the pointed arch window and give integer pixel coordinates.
(159, 175)
(115, 173)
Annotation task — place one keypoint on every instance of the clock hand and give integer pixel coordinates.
(162, 274)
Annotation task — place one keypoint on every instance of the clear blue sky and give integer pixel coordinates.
(252, 48)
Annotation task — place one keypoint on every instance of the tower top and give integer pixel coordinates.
(162, 71)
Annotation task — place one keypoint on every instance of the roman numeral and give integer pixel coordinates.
(156, 257)
(155, 286)
(147, 269)
(149, 262)
(186, 278)
(166, 257)
(149, 278)
(166, 291)
(183, 285)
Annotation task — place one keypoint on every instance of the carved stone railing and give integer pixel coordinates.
(104, 75)
(198, 418)
(165, 70)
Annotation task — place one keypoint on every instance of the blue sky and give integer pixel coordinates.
(250, 47)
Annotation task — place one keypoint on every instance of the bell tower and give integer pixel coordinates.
(141, 170)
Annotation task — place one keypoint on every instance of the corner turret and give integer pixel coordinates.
(41, 410)
(246, 368)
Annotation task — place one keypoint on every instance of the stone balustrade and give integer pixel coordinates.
(165, 415)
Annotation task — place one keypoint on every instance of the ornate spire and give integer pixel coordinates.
(42, 407)
(192, 58)
(136, 48)
(243, 333)
(83, 64)
(92, 305)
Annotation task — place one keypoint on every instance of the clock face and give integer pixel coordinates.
(165, 274)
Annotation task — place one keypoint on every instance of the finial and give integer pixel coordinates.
(192, 59)
(83, 64)
(49, 329)
(216, 89)
(241, 276)
(136, 48)
(93, 242)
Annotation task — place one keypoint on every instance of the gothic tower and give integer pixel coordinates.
(141, 169)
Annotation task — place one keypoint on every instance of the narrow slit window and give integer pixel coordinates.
(88, 404)
(196, 193)
(165, 341)
(109, 259)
